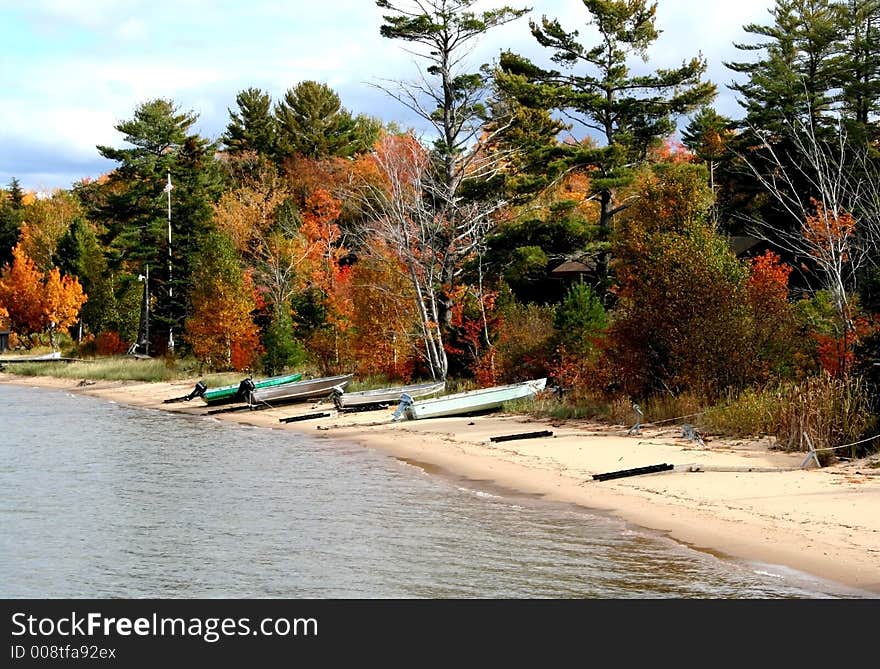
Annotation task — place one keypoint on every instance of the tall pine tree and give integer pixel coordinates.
(313, 123)
(134, 205)
(598, 93)
(11, 217)
(253, 127)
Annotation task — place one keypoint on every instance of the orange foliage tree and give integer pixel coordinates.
(384, 322)
(773, 322)
(36, 302)
(220, 330)
(320, 240)
(63, 297)
(20, 292)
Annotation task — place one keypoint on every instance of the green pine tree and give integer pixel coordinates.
(253, 127)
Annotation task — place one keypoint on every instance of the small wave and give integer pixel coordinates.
(761, 572)
(478, 493)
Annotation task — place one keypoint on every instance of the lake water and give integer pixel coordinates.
(100, 500)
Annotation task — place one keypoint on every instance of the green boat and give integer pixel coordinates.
(237, 393)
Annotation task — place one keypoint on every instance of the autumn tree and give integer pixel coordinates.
(774, 327)
(323, 273)
(21, 293)
(832, 224)
(403, 219)
(258, 217)
(63, 297)
(45, 222)
(384, 321)
(220, 329)
(681, 320)
(38, 302)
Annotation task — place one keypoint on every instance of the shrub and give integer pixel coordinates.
(524, 348)
(821, 411)
(109, 343)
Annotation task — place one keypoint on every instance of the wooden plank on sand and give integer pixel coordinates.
(522, 435)
(650, 469)
(291, 419)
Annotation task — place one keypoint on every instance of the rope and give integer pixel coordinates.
(855, 443)
(670, 420)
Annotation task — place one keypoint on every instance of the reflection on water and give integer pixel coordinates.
(101, 500)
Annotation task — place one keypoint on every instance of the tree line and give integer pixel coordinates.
(548, 223)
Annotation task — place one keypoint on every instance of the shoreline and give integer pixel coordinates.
(822, 522)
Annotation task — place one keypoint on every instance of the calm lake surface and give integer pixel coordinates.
(102, 500)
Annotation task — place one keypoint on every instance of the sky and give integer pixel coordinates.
(72, 69)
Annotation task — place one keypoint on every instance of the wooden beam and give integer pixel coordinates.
(291, 419)
(523, 435)
(650, 469)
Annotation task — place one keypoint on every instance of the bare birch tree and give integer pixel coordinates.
(439, 204)
(405, 210)
(837, 223)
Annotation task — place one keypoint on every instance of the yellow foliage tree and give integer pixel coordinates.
(220, 330)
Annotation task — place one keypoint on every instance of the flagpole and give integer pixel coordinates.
(168, 188)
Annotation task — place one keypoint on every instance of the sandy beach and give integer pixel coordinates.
(732, 497)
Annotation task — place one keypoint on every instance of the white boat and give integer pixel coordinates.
(384, 397)
(300, 390)
(468, 402)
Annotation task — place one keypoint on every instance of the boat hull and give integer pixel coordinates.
(300, 390)
(229, 394)
(385, 396)
(473, 401)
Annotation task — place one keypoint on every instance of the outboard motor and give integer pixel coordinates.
(335, 393)
(406, 400)
(199, 391)
(245, 388)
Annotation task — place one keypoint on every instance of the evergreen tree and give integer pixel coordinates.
(80, 254)
(709, 135)
(133, 205)
(796, 74)
(283, 350)
(630, 113)
(11, 217)
(580, 319)
(858, 68)
(313, 123)
(253, 127)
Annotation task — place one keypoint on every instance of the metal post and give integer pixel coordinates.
(168, 188)
(147, 310)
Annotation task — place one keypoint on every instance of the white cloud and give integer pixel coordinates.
(93, 62)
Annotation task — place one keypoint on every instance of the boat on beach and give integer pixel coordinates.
(238, 392)
(468, 402)
(378, 398)
(299, 390)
